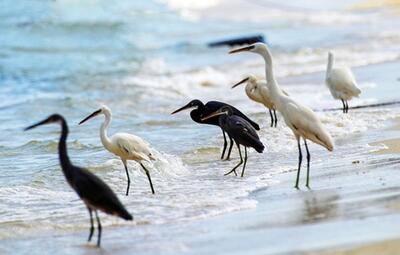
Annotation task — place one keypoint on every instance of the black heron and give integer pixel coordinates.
(95, 193)
(241, 132)
(201, 110)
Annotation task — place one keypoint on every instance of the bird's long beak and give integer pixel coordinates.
(94, 114)
(43, 122)
(240, 82)
(217, 113)
(182, 108)
(246, 48)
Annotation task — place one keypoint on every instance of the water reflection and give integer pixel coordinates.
(319, 206)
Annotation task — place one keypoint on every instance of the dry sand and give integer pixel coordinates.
(391, 247)
(390, 145)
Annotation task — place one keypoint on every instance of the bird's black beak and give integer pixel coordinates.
(94, 114)
(182, 108)
(240, 82)
(43, 122)
(217, 113)
(246, 48)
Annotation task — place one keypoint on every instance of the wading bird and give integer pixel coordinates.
(257, 90)
(240, 131)
(126, 146)
(91, 189)
(341, 83)
(199, 110)
(299, 118)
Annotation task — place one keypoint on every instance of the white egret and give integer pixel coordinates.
(341, 83)
(257, 90)
(126, 146)
(299, 118)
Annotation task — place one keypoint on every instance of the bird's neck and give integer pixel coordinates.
(269, 69)
(222, 120)
(195, 115)
(249, 89)
(330, 65)
(62, 151)
(103, 131)
(272, 84)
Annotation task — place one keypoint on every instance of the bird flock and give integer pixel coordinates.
(240, 129)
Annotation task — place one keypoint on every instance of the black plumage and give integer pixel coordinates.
(240, 131)
(95, 193)
(201, 110)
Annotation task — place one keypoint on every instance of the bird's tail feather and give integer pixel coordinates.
(124, 214)
(259, 147)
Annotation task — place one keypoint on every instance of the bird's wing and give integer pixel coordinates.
(342, 80)
(306, 123)
(213, 106)
(242, 126)
(97, 194)
(132, 146)
(243, 133)
(240, 114)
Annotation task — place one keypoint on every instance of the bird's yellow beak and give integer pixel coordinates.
(217, 113)
(94, 114)
(240, 82)
(246, 48)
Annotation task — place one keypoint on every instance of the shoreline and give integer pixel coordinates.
(392, 145)
(354, 203)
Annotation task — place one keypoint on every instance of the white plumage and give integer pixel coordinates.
(299, 118)
(257, 90)
(126, 146)
(130, 147)
(341, 83)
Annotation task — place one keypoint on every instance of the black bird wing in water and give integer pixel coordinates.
(244, 133)
(213, 106)
(97, 194)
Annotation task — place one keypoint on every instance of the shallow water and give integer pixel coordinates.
(70, 57)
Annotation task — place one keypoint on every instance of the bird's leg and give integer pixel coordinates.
(98, 228)
(127, 175)
(241, 162)
(300, 159)
(308, 165)
(225, 145)
(272, 117)
(91, 225)
(276, 119)
(230, 147)
(347, 106)
(344, 106)
(148, 176)
(245, 160)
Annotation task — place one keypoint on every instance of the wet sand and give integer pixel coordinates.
(387, 247)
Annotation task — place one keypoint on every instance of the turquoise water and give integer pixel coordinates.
(144, 59)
